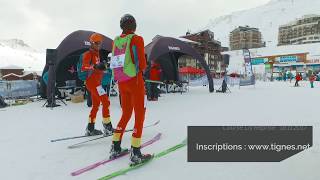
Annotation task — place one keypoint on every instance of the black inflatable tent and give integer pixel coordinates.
(68, 53)
(166, 52)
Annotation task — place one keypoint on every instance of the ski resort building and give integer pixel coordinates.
(206, 46)
(11, 70)
(11, 73)
(245, 37)
(301, 31)
(279, 64)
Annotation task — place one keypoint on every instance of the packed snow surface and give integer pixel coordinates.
(26, 131)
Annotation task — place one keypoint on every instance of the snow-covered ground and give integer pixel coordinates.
(26, 152)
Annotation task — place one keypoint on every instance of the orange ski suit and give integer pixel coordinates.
(93, 81)
(132, 94)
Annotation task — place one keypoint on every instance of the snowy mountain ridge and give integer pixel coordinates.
(16, 44)
(15, 52)
(267, 18)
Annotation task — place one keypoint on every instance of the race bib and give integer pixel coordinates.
(117, 61)
(101, 91)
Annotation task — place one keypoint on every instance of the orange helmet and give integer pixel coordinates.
(95, 37)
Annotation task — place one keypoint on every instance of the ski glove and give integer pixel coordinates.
(100, 66)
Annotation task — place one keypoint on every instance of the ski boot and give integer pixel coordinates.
(90, 131)
(136, 157)
(116, 150)
(107, 129)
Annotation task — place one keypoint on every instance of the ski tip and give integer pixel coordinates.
(158, 136)
(56, 140)
(156, 123)
(185, 141)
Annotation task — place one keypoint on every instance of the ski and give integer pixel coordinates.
(84, 142)
(130, 168)
(128, 130)
(151, 81)
(68, 138)
(76, 137)
(97, 164)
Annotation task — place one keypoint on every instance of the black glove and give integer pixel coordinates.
(100, 66)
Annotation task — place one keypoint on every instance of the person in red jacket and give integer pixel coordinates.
(91, 63)
(154, 76)
(298, 78)
(132, 88)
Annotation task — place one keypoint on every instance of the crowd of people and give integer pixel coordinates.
(298, 76)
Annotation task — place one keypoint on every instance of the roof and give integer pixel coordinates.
(12, 74)
(199, 32)
(79, 40)
(173, 48)
(12, 67)
(162, 45)
(211, 34)
(187, 40)
(20, 76)
(245, 28)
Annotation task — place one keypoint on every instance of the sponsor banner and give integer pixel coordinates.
(20, 88)
(257, 61)
(287, 59)
(247, 143)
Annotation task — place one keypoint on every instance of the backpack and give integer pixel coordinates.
(82, 75)
(123, 71)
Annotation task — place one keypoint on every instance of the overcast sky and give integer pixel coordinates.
(43, 24)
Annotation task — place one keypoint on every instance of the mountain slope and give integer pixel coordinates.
(17, 52)
(267, 18)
